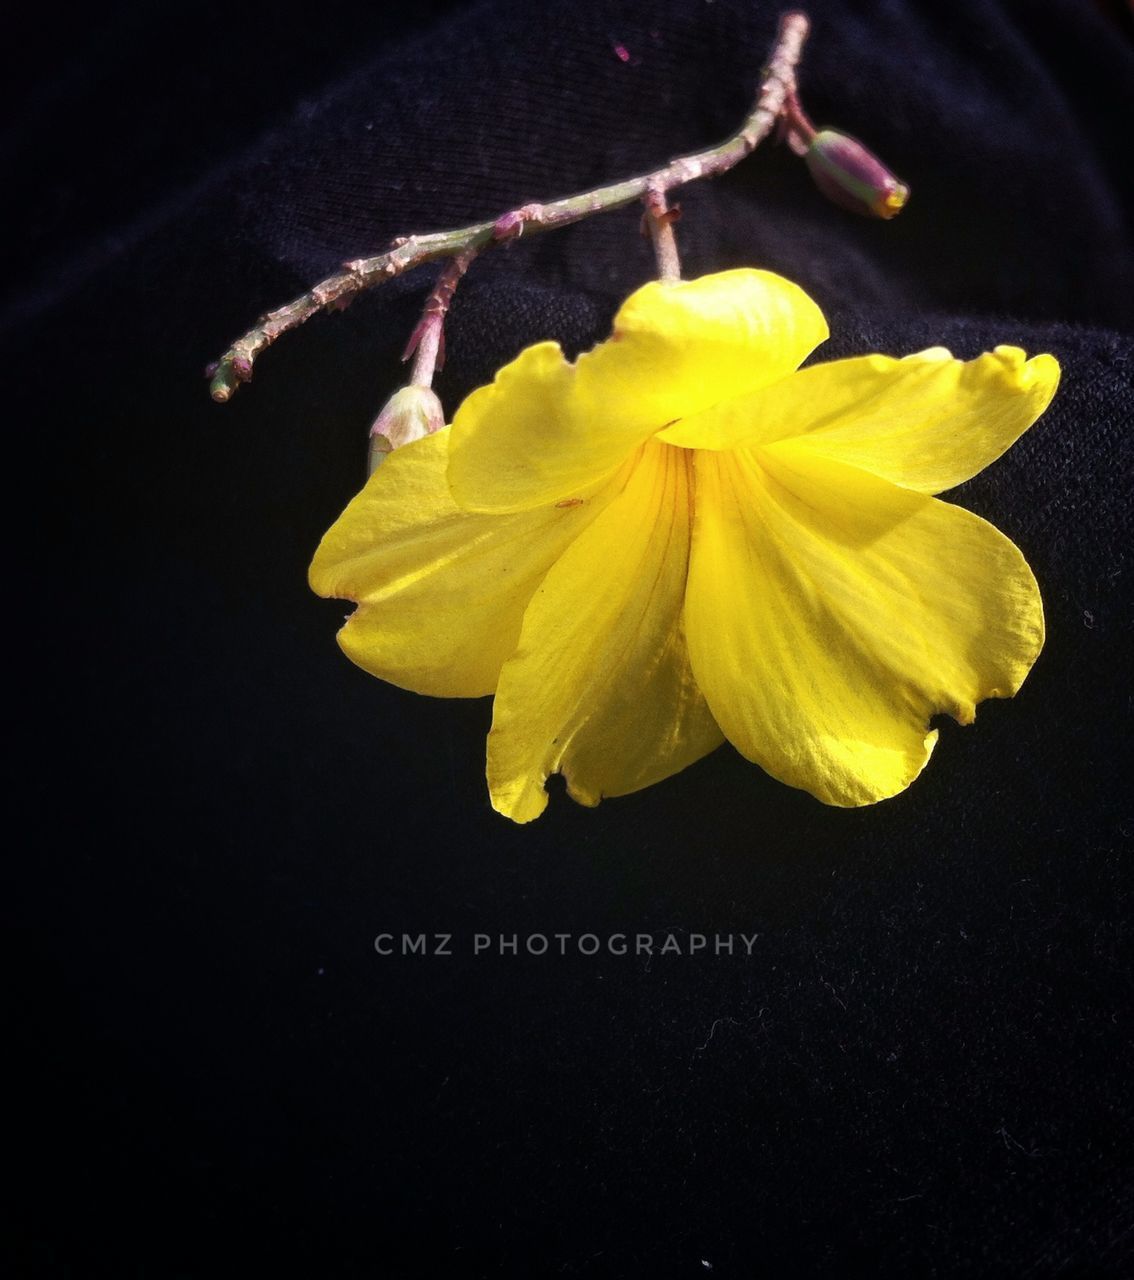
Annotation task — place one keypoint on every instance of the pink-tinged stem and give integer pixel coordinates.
(427, 342)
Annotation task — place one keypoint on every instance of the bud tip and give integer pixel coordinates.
(851, 176)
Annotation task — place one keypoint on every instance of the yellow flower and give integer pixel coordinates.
(682, 537)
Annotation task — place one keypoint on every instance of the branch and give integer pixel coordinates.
(336, 291)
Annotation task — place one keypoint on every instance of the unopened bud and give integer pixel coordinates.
(410, 414)
(852, 177)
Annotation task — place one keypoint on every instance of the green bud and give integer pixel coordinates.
(848, 174)
(410, 414)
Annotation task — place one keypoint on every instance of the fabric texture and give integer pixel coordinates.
(920, 1062)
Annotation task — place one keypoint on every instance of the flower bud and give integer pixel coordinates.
(410, 414)
(852, 177)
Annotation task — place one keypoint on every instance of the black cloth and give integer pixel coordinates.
(923, 1067)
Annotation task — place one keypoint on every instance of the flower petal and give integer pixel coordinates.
(546, 430)
(600, 687)
(830, 614)
(441, 593)
(926, 422)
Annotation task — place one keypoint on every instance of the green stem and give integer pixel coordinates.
(659, 222)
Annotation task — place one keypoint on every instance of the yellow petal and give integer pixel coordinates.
(926, 422)
(600, 688)
(830, 614)
(441, 593)
(545, 430)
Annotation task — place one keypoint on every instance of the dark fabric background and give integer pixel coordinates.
(924, 1067)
